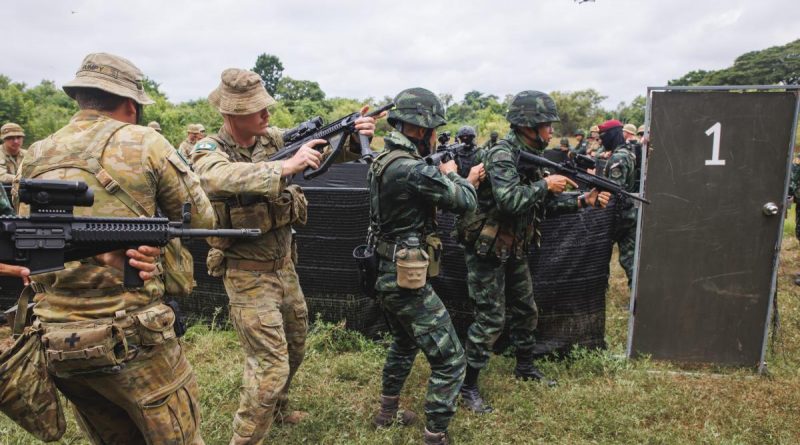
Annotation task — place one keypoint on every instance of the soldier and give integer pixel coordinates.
(202, 131)
(593, 145)
(112, 350)
(155, 126)
(794, 195)
(492, 140)
(621, 168)
(267, 306)
(467, 154)
(497, 238)
(193, 135)
(582, 145)
(404, 195)
(640, 133)
(629, 133)
(12, 153)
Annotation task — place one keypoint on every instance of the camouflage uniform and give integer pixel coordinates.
(267, 306)
(794, 192)
(621, 168)
(151, 397)
(5, 204)
(9, 164)
(404, 195)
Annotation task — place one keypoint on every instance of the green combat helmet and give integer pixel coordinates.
(419, 107)
(531, 108)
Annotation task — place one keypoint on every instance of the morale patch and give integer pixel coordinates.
(208, 146)
(616, 173)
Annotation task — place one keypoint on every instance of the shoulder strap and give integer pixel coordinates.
(381, 163)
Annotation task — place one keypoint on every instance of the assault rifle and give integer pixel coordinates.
(302, 130)
(52, 235)
(445, 153)
(335, 134)
(576, 173)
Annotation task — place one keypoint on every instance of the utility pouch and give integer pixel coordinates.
(155, 325)
(412, 265)
(299, 205)
(215, 262)
(80, 347)
(486, 238)
(280, 209)
(367, 264)
(222, 212)
(178, 269)
(434, 249)
(503, 245)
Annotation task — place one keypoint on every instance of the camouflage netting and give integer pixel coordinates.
(570, 268)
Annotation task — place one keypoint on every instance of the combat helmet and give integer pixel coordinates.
(419, 107)
(531, 108)
(466, 130)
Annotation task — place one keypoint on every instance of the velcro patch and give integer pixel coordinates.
(208, 146)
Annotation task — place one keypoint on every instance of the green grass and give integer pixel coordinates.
(601, 397)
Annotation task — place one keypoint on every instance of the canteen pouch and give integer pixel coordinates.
(412, 267)
(80, 347)
(434, 249)
(28, 395)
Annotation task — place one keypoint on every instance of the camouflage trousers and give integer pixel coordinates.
(418, 321)
(796, 221)
(499, 292)
(625, 237)
(153, 400)
(268, 311)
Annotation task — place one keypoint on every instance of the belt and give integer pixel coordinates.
(240, 200)
(259, 266)
(388, 249)
(40, 288)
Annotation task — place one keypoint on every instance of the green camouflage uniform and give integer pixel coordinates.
(5, 204)
(794, 192)
(267, 306)
(621, 168)
(497, 239)
(153, 398)
(581, 147)
(403, 202)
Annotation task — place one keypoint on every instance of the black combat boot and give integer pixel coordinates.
(435, 438)
(470, 396)
(387, 416)
(525, 370)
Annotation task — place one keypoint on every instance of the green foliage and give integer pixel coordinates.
(578, 109)
(632, 113)
(270, 69)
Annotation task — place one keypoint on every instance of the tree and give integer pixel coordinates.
(270, 69)
(578, 109)
(632, 113)
(291, 90)
(690, 78)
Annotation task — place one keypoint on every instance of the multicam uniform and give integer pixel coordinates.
(404, 195)
(9, 165)
(185, 149)
(146, 391)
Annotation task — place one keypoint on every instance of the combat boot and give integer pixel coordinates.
(290, 417)
(388, 414)
(471, 396)
(435, 438)
(525, 370)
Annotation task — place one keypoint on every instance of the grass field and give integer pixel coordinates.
(601, 398)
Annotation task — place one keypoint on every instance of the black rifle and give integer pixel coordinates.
(445, 153)
(583, 178)
(306, 128)
(52, 235)
(335, 134)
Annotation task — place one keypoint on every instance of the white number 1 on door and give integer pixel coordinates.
(716, 130)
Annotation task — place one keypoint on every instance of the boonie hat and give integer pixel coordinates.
(240, 92)
(112, 74)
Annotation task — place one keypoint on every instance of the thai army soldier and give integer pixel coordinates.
(141, 389)
(193, 134)
(582, 145)
(12, 153)
(492, 140)
(405, 193)
(467, 154)
(559, 154)
(621, 168)
(497, 238)
(267, 306)
(155, 126)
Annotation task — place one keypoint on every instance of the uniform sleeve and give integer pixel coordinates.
(452, 192)
(618, 169)
(176, 184)
(511, 195)
(220, 176)
(5, 175)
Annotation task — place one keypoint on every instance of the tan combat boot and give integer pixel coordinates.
(435, 438)
(388, 414)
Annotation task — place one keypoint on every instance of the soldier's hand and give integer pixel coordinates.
(447, 167)
(558, 183)
(595, 198)
(366, 125)
(142, 258)
(476, 175)
(305, 157)
(16, 271)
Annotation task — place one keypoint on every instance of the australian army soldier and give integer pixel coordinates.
(621, 168)
(497, 238)
(12, 153)
(404, 195)
(139, 388)
(193, 134)
(267, 306)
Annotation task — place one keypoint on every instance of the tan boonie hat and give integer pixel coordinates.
(110, 73)
(10, 130)
(193, 128)
(629, 128)
(640, 130)
(201, 128)
(240, 92)
(154, 125)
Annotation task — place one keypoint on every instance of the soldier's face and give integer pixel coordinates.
(13, 144)
(545, 132)
(579, 137)
(254, 124)
(192, 137)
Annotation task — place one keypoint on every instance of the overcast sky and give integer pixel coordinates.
(365, 49)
